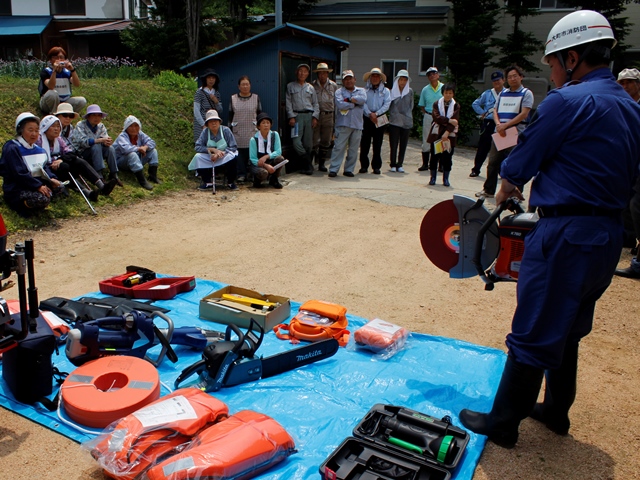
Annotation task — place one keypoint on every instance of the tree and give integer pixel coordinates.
(193, 12)
(174, 36)
(518, 46)
(466, 47)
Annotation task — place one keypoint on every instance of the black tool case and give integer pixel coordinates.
(393, 442)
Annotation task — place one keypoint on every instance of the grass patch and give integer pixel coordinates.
(164, 106)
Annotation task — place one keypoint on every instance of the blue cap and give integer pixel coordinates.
(496, 75)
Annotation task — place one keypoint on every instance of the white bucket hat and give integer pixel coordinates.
(212, 115)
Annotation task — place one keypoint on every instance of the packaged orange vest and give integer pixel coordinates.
(316, 320)
(240, 447)
(130, 446)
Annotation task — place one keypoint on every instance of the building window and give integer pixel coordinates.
(391, 67)
(432, 56)
(546, 4)
(5, 7)
(67, 7)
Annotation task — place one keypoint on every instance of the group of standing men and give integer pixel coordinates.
(328, 121)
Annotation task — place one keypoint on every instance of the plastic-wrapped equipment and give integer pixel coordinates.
(238, 448)
(129, 446)
(383, 338)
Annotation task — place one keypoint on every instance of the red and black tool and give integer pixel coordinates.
(463, 238)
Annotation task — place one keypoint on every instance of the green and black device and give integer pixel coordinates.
(397, 442)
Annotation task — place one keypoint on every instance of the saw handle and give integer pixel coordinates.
(512, 204)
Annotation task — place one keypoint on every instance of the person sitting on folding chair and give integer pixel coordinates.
(215, 147)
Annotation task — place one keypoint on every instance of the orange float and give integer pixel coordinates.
(109, 388)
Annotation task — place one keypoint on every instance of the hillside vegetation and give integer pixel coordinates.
(164, 106)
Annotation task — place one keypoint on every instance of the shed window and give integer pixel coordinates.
(67, 7)
(5, 7)
(432, 56)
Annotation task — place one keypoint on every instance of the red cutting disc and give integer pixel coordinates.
(440, 235)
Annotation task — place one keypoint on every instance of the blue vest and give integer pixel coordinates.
(509, 104)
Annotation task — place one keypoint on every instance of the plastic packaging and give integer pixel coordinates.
(383, 338)
(240, 447)
(129, 446)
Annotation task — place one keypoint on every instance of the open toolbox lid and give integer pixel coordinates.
(397, 442)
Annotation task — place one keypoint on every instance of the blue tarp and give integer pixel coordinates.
(321, 403)
(24, 25)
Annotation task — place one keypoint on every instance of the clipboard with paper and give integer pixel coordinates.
(35, 163)
(510, 140)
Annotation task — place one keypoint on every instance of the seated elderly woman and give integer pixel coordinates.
(29, 184)
(135, 149)
(65, 163)
(93, 143)
(265, 152)
(216, 146)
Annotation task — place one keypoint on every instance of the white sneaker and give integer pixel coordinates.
(392, 169)
(400, 170)
(484, 194)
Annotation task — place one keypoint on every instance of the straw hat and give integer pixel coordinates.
(375, 71)
(323, 67)
(66, 108)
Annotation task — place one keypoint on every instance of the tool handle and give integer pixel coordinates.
(190, 337)
(406, 445)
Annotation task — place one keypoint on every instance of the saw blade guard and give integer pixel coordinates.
(448, 235)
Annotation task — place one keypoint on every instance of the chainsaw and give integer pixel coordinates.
(463, 238)
(133, 334)
(232, 362)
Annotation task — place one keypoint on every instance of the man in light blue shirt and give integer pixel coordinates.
(377, 105)
(429, 95)
(483, 106)
(349, 119)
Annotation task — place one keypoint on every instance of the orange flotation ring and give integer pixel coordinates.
(154, 432)
(109, 388)
(240, 447)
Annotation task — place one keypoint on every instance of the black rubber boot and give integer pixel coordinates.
(445, 179)
(321, 157)
(107, 188)
(274, 182)
(142, 181)
(114, 176)
(91, 194)
(153, 174)
(307, 162)
(425, 162)
(433, 177)
(516, 397)
(559, 393)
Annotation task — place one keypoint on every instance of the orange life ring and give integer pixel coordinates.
(109, 388)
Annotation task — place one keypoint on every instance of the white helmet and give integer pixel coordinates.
(579, 27)
(23, 117)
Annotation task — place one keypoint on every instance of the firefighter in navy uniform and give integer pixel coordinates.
(583, 150)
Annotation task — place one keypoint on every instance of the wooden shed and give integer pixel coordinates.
(270, 60)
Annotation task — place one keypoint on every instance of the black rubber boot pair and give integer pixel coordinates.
(425, 162)
(142, 181)
(516, 397)
(559, 393)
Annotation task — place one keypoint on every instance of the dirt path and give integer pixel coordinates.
(356, 252)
